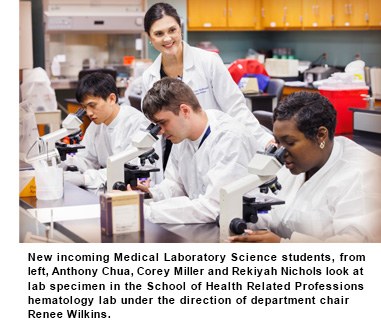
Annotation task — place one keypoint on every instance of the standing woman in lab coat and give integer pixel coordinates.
(202, 70)
(331, 185)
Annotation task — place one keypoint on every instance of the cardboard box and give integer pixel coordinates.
(122, 212)
(27, 183)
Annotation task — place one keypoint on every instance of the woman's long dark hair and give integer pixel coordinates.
(157, 12)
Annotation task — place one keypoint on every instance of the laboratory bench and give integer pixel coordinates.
(71, 83)
(88, 230)
(287, 90)
(367, 119)
(371, 141)
(367, 128)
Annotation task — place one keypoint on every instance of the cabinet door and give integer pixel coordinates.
(341, 13)
(272, 13)
(242, 13)
(292, 13)
(207, 13)
(358, 11)
(374, 11)
(350, 13)
(317, 13)
(258, 17)
(285, 13)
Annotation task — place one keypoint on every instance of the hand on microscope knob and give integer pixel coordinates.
(262, 236)
(144, 187)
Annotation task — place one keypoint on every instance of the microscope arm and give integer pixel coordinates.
(70, 125)
(47, 143)
(262, 168)
(115, 164)
(142, 143)
(231, 196)
(50, 139)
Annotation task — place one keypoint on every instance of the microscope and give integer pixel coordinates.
(120, 173)
(235, 208)
(49, 145)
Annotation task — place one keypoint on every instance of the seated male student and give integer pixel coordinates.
(210, 149)
(110, 131)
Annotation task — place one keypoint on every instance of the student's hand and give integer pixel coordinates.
(256, 237)
(146, 183)
(271, 142)
(144, 187)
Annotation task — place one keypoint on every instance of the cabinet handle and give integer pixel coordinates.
(367, 17)
(313, 10)
(224, 11)
(263, 12)
(230, 12)
(317, 10)
(346, 9)
(285, 11)
(350, 9)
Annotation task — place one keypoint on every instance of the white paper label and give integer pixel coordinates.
(139, 44)
(125, 218)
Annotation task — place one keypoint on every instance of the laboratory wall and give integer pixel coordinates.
(340, 46)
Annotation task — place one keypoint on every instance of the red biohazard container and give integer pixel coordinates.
(342, 98)
(241, 67)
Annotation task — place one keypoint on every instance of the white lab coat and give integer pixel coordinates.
(213, 85)
(339, 203)
(194, 176)
(102, 141)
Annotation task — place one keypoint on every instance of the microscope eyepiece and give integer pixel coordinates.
(80, 113)
(280, 153)
(154, 130)
(271, 149)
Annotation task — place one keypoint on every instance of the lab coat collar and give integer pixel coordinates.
(188, 65)
(212, 117)
(335, 155)
(196, 143)
(154, 70)
(115, 122)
